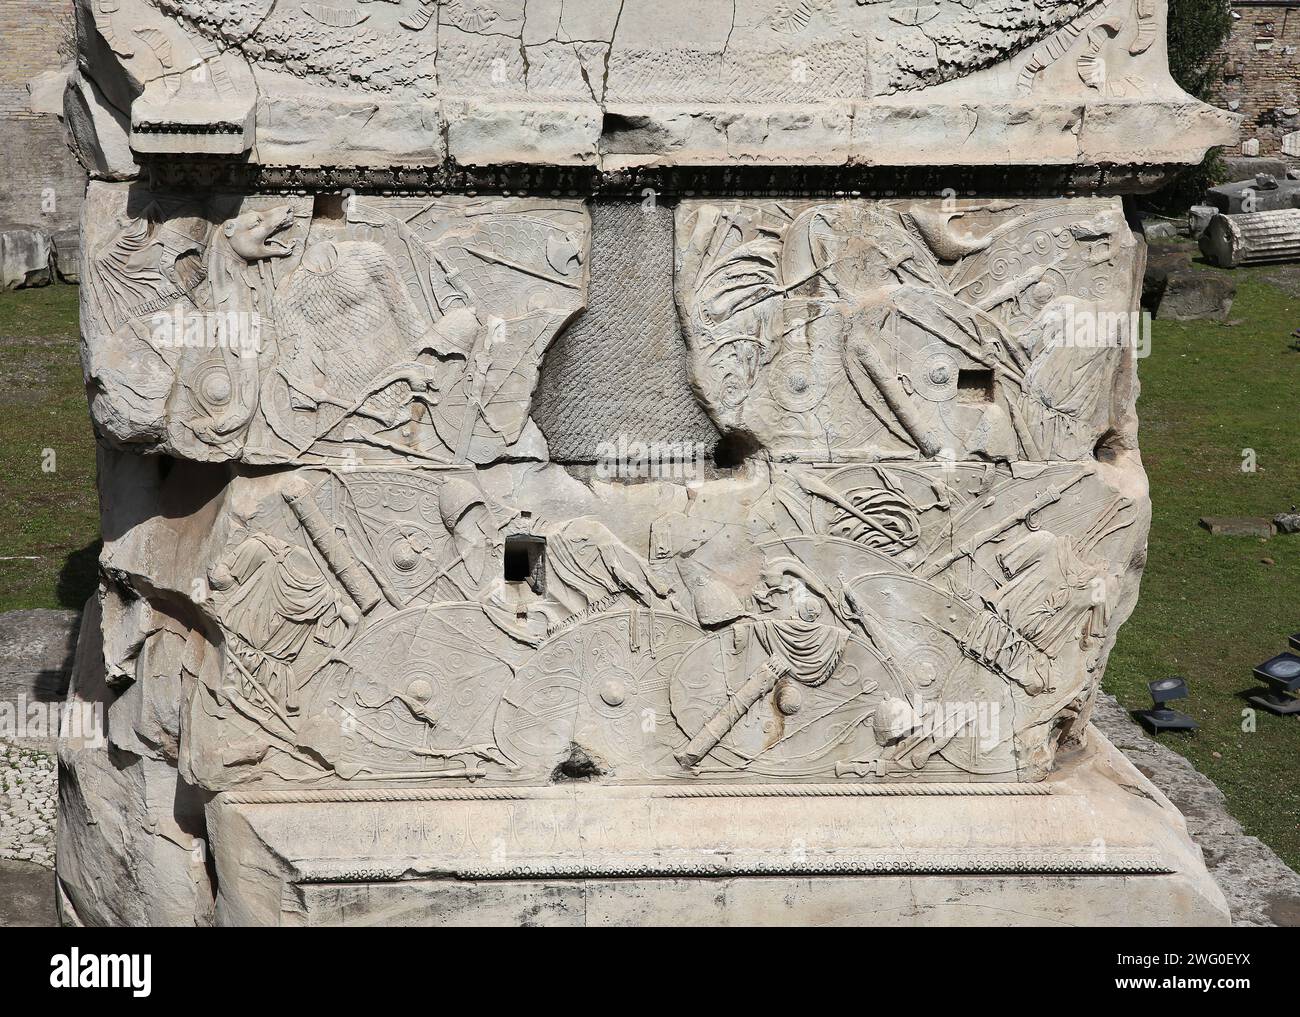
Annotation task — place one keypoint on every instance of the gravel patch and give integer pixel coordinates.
(28, 796)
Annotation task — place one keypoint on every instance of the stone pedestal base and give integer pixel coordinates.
(1096, 844)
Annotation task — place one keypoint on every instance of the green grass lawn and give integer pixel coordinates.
(1210, 608)
(50, 519)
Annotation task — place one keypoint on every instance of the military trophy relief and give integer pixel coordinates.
(935, 329)
(343, 330)
(667, 436)
(915, 575)
(881, 622)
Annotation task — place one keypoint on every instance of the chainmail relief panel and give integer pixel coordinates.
(620, 368)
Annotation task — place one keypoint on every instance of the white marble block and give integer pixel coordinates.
(618, 463)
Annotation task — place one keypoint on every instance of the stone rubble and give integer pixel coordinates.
(26, 257)
(28, 794)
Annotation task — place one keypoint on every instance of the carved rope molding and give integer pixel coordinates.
(293, 796)
(1026, 862)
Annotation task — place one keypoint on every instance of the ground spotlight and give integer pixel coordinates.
(1162, 718)
(1281, 675)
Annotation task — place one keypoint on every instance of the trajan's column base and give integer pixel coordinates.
(617, 463)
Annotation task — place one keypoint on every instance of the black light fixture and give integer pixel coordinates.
(1162, 718)
(1282, 676)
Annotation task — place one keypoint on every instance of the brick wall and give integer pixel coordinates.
(42, 183)
(1261, 73)
(30, 31)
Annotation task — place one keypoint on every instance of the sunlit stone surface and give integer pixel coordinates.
(616, 462)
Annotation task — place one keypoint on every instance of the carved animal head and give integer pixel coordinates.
(252, 235)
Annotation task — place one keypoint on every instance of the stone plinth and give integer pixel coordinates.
(1094, 842)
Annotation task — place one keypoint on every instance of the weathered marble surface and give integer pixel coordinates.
(1116, 851)
(944, 504)
(888, 548)
(619, 84)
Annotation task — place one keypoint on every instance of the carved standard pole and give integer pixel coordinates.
(409, 635)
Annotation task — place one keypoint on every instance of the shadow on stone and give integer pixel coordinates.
(26, 896)
(77, 580)
(36, 653)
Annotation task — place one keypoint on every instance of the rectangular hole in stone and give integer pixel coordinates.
(975, 385)
(331, 207)
(525, 562)
(618, 131)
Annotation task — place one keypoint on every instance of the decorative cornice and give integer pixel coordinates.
(235, 176)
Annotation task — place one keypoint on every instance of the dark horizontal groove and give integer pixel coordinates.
(671, 182)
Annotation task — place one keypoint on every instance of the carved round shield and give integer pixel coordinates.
(834, 556)
(935, 378)
(972, 706)
(793, 730)
(796, 382)
(601, 686)
(415, 693)
(410, 554)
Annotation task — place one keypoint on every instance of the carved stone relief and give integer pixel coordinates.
(943, 321)
(826, 497)
(615, 85)
(277, 332)
(918, 571)
(859, 622)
